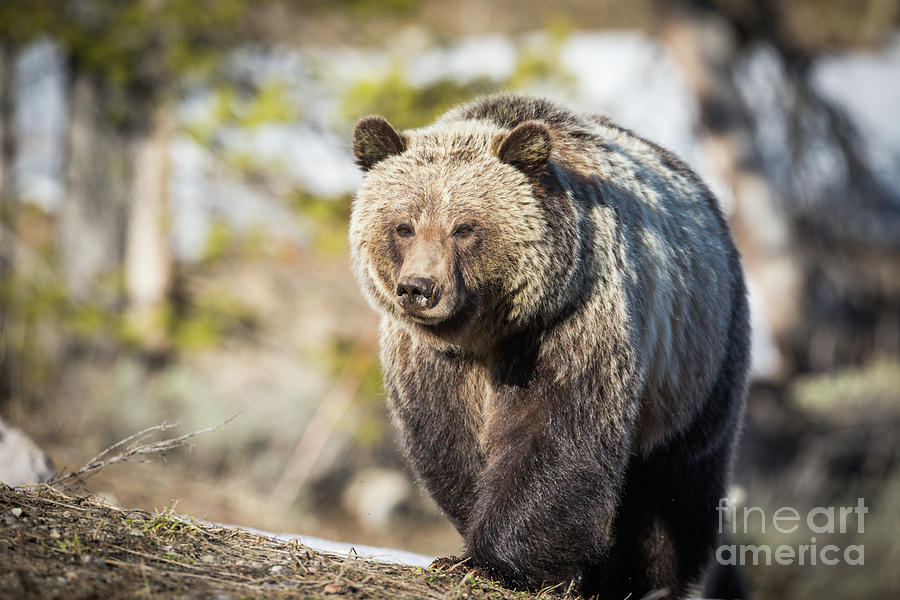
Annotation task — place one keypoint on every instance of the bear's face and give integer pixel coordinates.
(443, 220)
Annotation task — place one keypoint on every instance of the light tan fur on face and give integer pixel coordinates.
(457, 179)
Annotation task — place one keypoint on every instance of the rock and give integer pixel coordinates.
(373, 495)
(21, 461)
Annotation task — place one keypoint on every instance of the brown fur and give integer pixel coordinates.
(564, 339)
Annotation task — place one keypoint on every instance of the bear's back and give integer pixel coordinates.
(679, 263)
(509, 110)
(591, 144)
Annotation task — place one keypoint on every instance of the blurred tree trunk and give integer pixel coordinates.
(148, 258)
(818, 243)
(706, 52)
(7, 214)
(94, 212)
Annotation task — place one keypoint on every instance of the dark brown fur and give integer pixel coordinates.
(564, 339)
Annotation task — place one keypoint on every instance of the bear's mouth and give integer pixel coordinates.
(427, 314)
(453, 322)
(419, 306)
(437, 312)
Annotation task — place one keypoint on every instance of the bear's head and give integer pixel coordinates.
(448, 232)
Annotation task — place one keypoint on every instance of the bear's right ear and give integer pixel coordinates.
(374, 140)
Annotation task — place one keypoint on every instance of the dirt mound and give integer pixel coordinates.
(57, 546)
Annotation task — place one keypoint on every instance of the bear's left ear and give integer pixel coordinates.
(527, 147)
(374, 139)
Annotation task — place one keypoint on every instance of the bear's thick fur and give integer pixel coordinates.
(564, 338)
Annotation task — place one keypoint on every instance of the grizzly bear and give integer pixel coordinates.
(564, 339)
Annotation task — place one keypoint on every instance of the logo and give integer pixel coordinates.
(786, 520)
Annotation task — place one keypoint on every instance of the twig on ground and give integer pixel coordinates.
(133, 449)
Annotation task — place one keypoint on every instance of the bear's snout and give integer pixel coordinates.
(416, 293)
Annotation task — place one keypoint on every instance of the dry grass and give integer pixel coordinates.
(53, 545)
(134, 448)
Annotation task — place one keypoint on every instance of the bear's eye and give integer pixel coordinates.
(463, 231)
(404, 230)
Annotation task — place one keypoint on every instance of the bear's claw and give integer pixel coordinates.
(449, 564)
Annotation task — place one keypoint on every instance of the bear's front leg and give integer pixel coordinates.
(434, 399)
(546, 499)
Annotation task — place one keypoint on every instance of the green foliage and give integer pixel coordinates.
(319, 208)
(407, 106)
(72, 544)
(223, 242)
(219, 241)
(166, 522)
(329, 217)
(851, 387)
(196, 332)
(86, 320)
(42, 306)
(269, 103)
(22, 22)
(208, 320)
(364, 8)
(137, 51)
(341, 355)
(42, 319)
(540, 63)
(125, 40)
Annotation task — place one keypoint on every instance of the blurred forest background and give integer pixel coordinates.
(175, 182)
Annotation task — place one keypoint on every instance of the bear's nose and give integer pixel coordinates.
(415, 290)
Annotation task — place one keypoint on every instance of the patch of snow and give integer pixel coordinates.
(201, 192)
(317, 159)
(765, 359)
(344, 66)
(867, 85)
(39, 121)
(383, 555)
(630, 77)
(491, 56)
